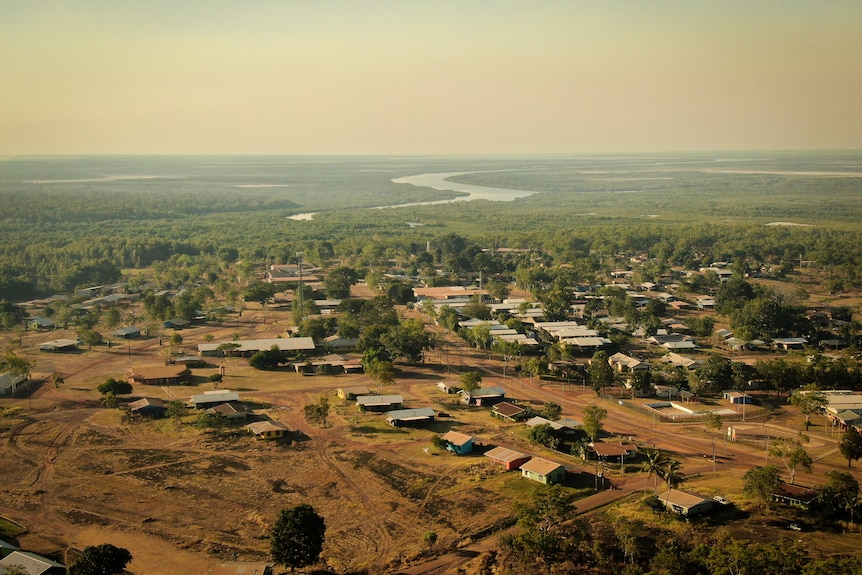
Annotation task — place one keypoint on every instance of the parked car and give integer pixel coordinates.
(722, 500)
(795, 527)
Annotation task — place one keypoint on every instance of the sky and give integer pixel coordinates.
(428, 76)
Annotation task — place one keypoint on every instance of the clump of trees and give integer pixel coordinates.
(297, 537)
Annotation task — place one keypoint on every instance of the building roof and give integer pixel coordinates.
(487, 392)
(457, 438)
(541, 466)
(505, 454)
(612, 449)
(539, 420)
(411, 414)
(157, 372)
(146, 402)
(229, 408)
(684, 499)
(221, 395)
(379, 400)
(259, 427)
(32, 563)
(355, 390)
(247, 345)
(507, 409)
(243, 568)
(58, 344)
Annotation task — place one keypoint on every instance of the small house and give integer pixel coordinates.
(788, 343)
(176, 323)
(685, 503)
(458, 443)
(231, 411)
(351, 393)
(508, 458)
(411, 417)
(794, 495)
(738, 397)
(543, 471)
(484, 396)
(40, 322)
(148, 407)
(127, 332)
(379, 403)
(267, 429)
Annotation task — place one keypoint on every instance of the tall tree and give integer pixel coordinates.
(297, 537)
(104, 559)
(655, 463)
(850, 446)
(792, 454)
(600, 371)
(761, 483)
(594, 417)
(809, 400)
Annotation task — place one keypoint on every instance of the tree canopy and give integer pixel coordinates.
(297, 537)
(104, 559)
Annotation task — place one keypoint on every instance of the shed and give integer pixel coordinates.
(379, 403)
(411, 417)
(458, 443)
(9, 384)
(508, 411)
(40, 322)
(158, 375)
(685, 502)
(176, 323)
(543, 471)
(60, 345)
(508, 458)
(148, 407)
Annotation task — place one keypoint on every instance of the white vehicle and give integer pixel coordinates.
(722, 500)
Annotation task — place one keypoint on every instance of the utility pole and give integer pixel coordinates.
(301, 303)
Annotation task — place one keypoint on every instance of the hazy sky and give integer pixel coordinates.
(428, 76)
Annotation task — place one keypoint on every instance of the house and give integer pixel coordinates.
(148, 407)
(243, 568)
(379, 403)
(9, 384)
(483, 396)
(267, 429)
(543, 471)
(330, 363)
(176, 323)
(788, 343)
(539, 420)
(411, 417)
(232, 411)
(247, 347)
(351, 393)
(738, 397)
(618, 450)
(508, 411)
(33, 564)
(213, 398)
(666, 391)
(40, 322)
(127, 332)
(794, 495)
(159, 375)
(336, 343)
(458, 443)
(623, 363)
(508, 458)
(60, 345)
(685, 503)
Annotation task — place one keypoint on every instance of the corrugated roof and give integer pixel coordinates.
(541, 466)
(505, 454)
(457, 438)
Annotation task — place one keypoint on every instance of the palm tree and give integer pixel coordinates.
(672, 475)
(654, 465)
